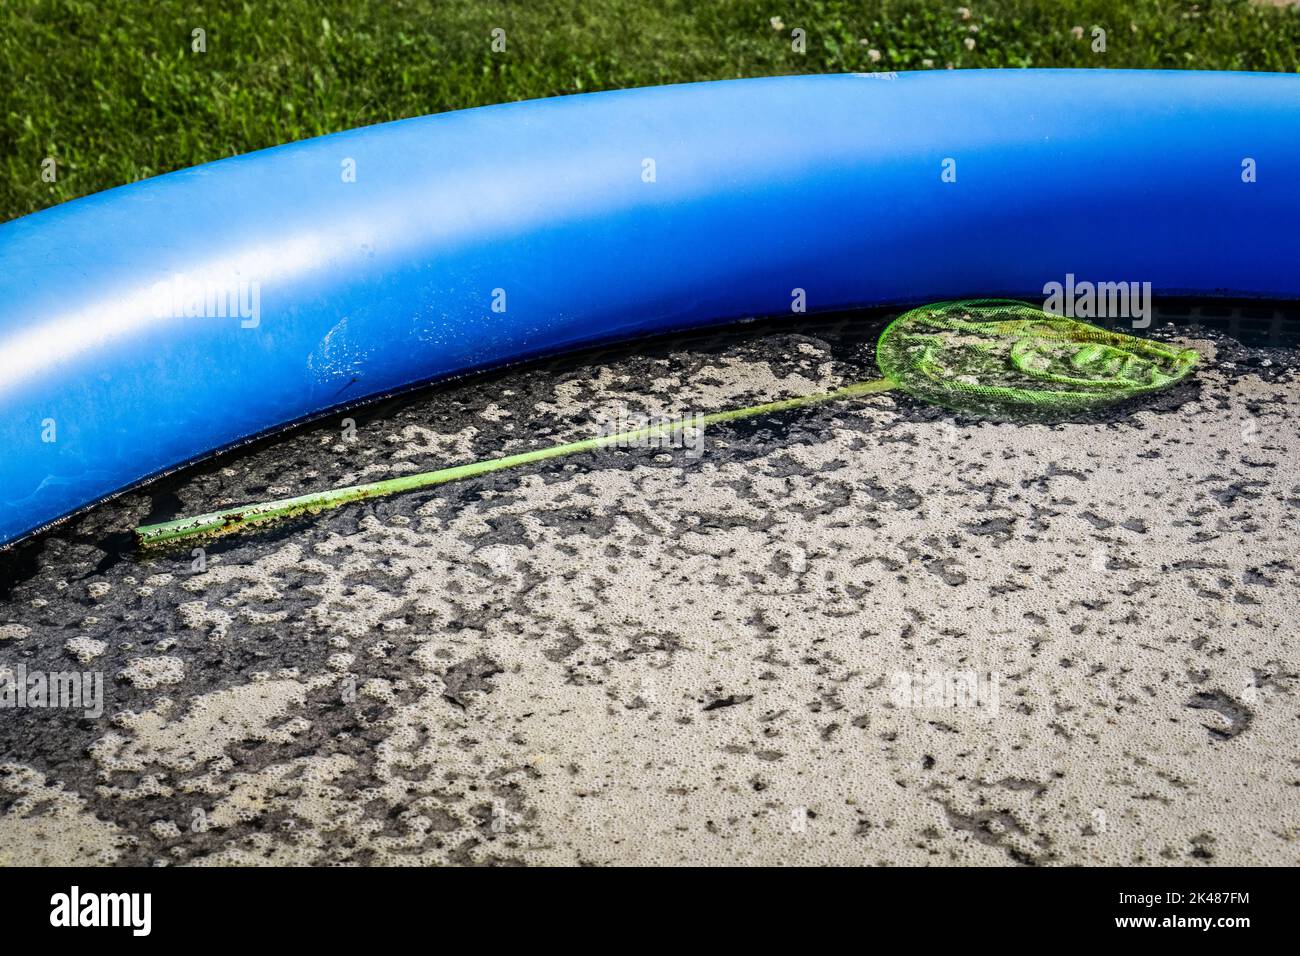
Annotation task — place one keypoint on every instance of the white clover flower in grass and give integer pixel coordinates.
(969, 42)
(1076, 32)
(777, 24)
(873, 56)
(963, 12)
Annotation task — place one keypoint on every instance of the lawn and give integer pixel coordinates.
(115, 91)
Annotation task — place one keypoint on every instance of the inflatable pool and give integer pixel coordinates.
(150, 326)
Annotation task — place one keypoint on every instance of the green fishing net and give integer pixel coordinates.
(999, 357)
(994, 357)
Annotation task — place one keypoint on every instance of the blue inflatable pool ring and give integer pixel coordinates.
(153, 325)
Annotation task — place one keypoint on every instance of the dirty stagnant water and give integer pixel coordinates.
(740, 649)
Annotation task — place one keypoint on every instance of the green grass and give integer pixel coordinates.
(113, 92)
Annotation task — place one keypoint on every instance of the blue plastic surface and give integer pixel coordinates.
(828, 184)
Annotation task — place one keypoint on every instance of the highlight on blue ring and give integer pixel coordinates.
(153, 325)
